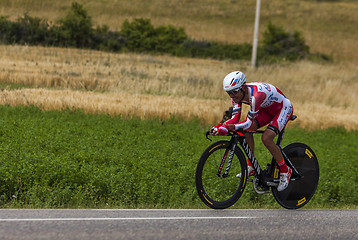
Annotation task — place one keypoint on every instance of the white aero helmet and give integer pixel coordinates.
(234, 81)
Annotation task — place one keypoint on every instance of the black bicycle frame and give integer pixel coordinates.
(295, 173)
(250, 155)
(238, 138)
(271, 168)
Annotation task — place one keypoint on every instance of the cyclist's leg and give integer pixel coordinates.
(268, 140)
(277, 124)
(263, 118)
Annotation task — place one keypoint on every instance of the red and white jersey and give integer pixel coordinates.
(268, 100)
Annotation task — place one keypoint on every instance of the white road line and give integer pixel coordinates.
(112, 219)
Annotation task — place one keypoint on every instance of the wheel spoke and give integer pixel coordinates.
(214, 189)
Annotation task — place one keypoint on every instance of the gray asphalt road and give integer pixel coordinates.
(178, 224)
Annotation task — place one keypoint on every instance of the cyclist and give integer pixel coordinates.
(268, 106)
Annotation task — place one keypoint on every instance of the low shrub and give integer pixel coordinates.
(277, 42)
(139, 35)
(75, 29)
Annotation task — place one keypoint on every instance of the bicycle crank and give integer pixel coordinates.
(258, 187)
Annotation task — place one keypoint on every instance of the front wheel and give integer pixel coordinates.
(300, 190)
(216, 189)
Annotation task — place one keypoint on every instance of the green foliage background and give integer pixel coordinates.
(76, 30)
(71, 160)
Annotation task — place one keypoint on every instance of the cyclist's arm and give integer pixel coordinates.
(235, 119)
(255, 106)
(236, 114)
(247, 123)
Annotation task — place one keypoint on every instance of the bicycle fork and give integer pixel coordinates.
(231, 156)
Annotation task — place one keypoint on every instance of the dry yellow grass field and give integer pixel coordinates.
(324, 95)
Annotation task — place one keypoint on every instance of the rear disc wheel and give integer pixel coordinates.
(300, 190)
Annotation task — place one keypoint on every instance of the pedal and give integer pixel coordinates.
(272, 184)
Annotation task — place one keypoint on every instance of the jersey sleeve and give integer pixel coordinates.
(255, 102)
(244, 124)
(236, 114)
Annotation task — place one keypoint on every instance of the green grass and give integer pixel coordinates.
(69, 159)
(75, 160)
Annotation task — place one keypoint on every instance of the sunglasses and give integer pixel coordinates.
(233, 92)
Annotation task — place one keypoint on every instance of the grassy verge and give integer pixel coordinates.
(69, 159)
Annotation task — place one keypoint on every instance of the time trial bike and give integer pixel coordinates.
(219, 187)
